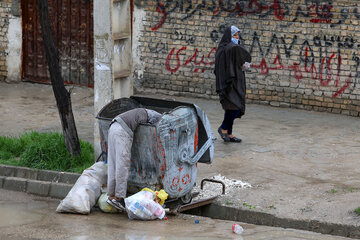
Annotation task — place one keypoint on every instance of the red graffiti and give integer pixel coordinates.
(256, 6)
(163, 157)
(321, 14)
(186, 179)
(196, 138)
(160, 8)
(175, 183)
(193, 59)
(309, 68)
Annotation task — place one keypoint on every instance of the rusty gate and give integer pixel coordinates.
(72, 30)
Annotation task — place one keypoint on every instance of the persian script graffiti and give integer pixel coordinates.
(327, 69)
(315, 11)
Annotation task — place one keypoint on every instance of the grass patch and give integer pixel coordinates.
(44, 151)
(357, 211)
(332, 191)
(249, 206)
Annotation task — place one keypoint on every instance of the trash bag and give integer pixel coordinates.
(142, 206)
(87, 189)
(104, 206)
(161, 195)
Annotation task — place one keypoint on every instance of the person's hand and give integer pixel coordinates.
(246, 66)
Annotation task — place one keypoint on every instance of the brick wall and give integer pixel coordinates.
(305, 52)
(5, 12)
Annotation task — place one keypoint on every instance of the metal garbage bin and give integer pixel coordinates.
(163, 155)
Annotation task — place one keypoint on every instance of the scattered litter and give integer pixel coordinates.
(236, 228)
(213, 189)
(144, 206)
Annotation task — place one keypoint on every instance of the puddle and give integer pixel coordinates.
(17, 214)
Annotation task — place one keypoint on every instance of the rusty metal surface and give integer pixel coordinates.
(196, 204)
(72, 30)
(213, 181)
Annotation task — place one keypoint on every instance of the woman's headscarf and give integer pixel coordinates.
(234, 30)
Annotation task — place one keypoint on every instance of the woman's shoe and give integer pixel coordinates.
(235, 139)
(117, 203)
(224, 136)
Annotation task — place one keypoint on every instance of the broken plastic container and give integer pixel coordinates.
(163, 155)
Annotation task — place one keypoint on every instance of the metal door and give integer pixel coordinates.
(72, 30)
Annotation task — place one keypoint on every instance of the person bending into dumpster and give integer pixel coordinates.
(231, 61)
(120, 140)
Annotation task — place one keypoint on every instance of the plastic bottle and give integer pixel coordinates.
(236, 228)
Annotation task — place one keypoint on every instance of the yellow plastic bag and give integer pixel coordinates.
(161, 195)
(104, 206)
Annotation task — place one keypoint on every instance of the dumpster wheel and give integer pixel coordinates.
(187, 198)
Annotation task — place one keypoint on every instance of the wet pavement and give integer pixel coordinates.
(301, 165)
(24, 216)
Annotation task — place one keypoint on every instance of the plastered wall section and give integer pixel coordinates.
(5, 15)
(103, 55)
(305, 52)
(10, 41)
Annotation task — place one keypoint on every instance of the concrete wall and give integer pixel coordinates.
(10, 40)
(103, 46)
(305, 52)
(112, 56)
(13, 59)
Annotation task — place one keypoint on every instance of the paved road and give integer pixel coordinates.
(301, 165)
(24, 216)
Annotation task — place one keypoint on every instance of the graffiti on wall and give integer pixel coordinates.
(326, 68)
(328, 60)
(314, 11)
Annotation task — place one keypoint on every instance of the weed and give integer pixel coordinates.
(248, 205)
(357, 211)
(229, 203)
(306, 209)
(44, 151)
(331, 191)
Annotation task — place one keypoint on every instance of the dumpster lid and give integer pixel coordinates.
(205, 143)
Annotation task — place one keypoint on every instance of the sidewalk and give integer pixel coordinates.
(302, 166)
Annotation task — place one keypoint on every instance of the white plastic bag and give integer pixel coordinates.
(142, 206)
(87, 189)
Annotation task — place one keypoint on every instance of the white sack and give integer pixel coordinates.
(87, 189)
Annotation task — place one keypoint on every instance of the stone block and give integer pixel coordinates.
(22, 172)
(2, 179)
(69, 178)
(15, 184)
(59, 190)
(7, 171)
(49, 176)
(38, 187)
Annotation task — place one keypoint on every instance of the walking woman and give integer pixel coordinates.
(230, 63)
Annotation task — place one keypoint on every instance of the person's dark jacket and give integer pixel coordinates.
(230, 78)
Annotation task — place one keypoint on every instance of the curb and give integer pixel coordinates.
(58, 184)
(259, 218)
(38, 182)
